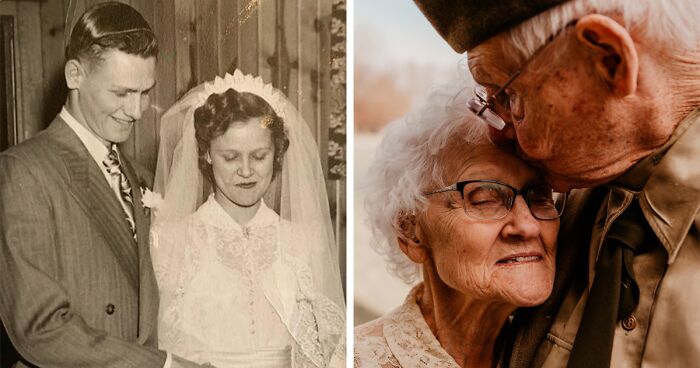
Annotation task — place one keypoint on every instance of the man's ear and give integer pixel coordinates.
(409, 236)
(74, 72)
(613, 52)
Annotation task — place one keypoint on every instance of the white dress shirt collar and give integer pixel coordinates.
(97, 149)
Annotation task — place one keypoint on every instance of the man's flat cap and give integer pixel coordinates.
(465, 24)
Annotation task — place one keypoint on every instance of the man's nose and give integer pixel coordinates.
(135, 106)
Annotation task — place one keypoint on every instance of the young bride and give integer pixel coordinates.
(248, 277)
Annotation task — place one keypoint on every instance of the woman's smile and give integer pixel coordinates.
(246, 185)
(520, 259)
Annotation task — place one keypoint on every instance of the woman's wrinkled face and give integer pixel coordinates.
(511, 260)
(242, 161)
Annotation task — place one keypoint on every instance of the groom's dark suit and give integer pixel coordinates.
(76, 290)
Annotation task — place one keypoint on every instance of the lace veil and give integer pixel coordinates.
(298, 193)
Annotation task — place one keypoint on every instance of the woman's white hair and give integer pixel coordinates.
(410, 160)
(671, 26)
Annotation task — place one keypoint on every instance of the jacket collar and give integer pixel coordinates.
(670, 198)
(92, 192)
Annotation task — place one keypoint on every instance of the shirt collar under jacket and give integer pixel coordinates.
(95, 147)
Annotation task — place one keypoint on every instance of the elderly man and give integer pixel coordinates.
(603, 95)
(77, 287)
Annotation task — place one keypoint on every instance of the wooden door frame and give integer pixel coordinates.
(8, 121)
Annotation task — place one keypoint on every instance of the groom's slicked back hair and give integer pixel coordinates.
(111, 25)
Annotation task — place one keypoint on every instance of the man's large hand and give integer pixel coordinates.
(182, 363)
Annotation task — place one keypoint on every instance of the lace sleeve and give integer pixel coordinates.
(176, 257)
(161, 248)
(168, 252)
(154, 241)
(338, 356)
(318, 323)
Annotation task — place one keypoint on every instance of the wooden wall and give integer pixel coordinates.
(287, 42)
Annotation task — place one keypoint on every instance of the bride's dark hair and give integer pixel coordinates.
(221, 110)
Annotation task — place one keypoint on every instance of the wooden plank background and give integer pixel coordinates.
(287, 42)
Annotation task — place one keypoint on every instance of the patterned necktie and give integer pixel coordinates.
(614, 294)
(121, 186)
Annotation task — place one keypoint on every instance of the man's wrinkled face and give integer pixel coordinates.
(564, 121)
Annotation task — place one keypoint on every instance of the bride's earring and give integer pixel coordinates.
(208, 158)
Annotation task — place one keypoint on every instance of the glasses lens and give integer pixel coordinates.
(487, 201)
(545, 203)
(481, 94)
(479, 106)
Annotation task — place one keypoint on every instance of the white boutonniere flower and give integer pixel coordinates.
(150, 200)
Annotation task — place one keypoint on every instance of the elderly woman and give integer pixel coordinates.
(476, 222)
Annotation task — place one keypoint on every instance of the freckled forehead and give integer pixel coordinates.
(490, 62)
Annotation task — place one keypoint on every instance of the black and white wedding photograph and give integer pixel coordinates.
(173, 183)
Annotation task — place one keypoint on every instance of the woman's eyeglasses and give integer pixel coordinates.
(492, 200)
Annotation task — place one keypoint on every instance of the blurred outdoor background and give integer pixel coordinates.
(398, 57)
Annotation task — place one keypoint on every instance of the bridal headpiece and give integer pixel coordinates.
(177, 169)
(245, 83)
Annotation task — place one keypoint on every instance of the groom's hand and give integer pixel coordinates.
(182, 363)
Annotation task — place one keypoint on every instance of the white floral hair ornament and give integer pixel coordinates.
(246, 83)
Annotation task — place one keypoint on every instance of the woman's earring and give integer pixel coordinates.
(208, 158)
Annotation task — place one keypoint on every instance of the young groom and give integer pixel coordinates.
(77, 287)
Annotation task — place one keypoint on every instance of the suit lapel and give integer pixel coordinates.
(93, 193)
(148, 291)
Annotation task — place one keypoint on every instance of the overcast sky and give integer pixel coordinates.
(391, 32)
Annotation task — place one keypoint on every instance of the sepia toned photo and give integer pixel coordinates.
(172, 183)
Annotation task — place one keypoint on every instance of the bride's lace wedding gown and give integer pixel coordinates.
(231, 297)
